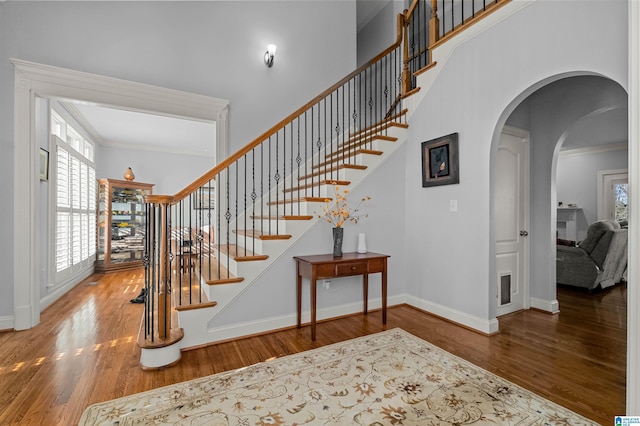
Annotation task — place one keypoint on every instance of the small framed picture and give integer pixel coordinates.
(204, 198)
(44, 164)
(440, 161)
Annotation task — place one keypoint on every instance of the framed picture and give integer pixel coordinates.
(44, 164)
(440, 161)
(204, 198)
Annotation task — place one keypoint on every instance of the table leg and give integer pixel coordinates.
(365, 290)
(313, 309)
(299, 297)
(384, 292)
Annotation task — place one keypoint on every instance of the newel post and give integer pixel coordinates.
(434, 24)
(403, 21)
(159, 272)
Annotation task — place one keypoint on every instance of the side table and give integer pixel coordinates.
(325, 266)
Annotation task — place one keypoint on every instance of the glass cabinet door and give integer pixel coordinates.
(121, 224)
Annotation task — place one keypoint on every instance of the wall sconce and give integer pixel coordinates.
(269, 54)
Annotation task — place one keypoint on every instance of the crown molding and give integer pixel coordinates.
(50, 81)
(597, 149)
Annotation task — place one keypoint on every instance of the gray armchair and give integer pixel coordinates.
(600, 259)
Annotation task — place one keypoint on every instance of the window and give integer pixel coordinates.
(75, 200)
(613, 194)
(621, 200)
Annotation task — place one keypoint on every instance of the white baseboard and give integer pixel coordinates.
(234, 331)
(60, 290)
(486, 326)
(254, 327)
(6, 323)
(551, 306)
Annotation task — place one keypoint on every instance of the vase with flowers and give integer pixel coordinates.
(337, 212)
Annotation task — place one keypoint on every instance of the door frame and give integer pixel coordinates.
(526, 200)
(33, 80)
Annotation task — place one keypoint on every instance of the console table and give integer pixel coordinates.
(325, 266)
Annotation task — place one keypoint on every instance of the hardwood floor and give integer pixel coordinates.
(84, 351)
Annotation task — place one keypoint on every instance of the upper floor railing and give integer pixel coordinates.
(431, 22)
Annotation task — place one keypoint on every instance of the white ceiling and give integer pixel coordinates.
(118, 128)
(605, 127)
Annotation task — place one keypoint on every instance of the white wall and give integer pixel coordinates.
(169, 172)
(379, 33)
(210, 48)
(577, 182)
(450, 256)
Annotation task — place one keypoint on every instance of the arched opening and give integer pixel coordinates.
(578, 126)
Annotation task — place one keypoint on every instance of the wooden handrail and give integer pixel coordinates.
(211, 174)
(409, 12)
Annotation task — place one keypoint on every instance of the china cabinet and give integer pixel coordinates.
(121, 224)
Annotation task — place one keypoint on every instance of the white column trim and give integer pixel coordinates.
(36, 80)
(633, 295)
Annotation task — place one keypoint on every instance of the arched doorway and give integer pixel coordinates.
(582, 114)
(556, 115)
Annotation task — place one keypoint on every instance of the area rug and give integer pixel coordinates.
(389, 378)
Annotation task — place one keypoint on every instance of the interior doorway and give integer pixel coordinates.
(512, 221)
(33, 81)
(583, 114)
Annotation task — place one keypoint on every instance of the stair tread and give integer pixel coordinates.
(355, 143)
(214, 272)
(386, 122)
(301, 200)
(190, 291)
(317, 184)
(366, 138)
(240, 253)
(253, 233)
(283, 217)
(346, 154)
(332, 170)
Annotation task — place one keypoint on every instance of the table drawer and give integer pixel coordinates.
(344, 269)
(376, 265)
(327, 270)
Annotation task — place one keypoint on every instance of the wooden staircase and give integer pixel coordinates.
(284, 214)
(258, 250)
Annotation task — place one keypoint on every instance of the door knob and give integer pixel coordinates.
(523, 233)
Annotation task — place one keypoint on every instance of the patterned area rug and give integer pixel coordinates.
(389, 378)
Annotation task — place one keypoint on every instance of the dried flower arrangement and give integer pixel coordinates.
(337, 211)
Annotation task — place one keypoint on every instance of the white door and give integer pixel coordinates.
(512, 221)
